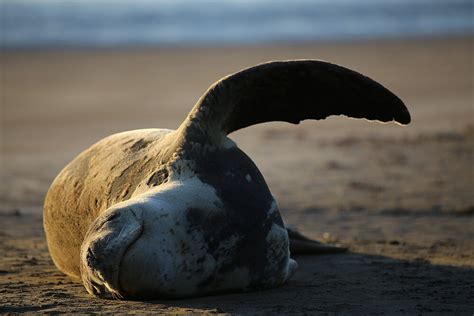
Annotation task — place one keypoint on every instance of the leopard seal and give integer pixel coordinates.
(158, 213)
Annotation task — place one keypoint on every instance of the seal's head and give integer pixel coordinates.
(179, 240)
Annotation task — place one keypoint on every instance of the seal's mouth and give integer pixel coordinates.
(104, 247)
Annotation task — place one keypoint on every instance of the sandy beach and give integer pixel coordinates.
(401, 198)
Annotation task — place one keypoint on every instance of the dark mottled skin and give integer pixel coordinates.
(247, 218)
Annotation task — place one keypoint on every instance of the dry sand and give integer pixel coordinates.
(401, 198)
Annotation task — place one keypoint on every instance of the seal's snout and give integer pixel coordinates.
(104, 247)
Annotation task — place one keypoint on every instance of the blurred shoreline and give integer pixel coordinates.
(242, 46)
(116, 23)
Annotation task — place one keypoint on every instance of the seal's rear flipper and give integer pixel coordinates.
(302, 245)
(289, 91)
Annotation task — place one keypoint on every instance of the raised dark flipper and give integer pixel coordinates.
(302, 245)
(289, 91)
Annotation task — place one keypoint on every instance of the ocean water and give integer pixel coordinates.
(45, 23)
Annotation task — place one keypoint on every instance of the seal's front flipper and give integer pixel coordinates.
(302, 245)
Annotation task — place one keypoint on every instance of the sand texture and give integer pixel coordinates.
(401, 198)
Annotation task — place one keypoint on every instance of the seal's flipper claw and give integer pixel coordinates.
(302, 245)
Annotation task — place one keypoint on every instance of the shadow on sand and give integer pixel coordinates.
(355, 282)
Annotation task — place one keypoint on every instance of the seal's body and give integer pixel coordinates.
(166, 214)
(182, 224)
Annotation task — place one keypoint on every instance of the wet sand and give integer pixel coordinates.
(399, 197)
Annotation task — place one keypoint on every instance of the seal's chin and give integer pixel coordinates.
(104, 247)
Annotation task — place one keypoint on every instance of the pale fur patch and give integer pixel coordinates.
(278, 247)
(273, 208)
(181, 255)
